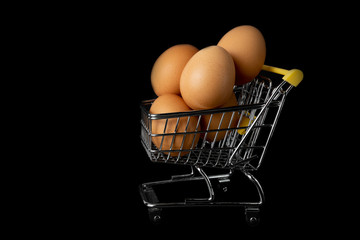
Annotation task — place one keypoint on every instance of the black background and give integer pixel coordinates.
(114, 53)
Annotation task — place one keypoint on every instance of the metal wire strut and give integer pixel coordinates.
(209, 186)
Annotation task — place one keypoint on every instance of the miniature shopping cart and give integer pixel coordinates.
(233, 147)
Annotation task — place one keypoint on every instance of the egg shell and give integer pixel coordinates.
(167, 69)
(208, 78)
(229, 120)
(246, 45)
(170, 103)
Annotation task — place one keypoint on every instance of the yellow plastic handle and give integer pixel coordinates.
(293, 76)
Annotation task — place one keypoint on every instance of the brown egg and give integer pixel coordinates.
(247, 46)
(170, 103)
(208, 78)
(229, 120)
(166, 71)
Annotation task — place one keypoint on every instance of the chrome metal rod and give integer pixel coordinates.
(258, 188)
(187, 177)
(184, 176)
(274, 94)
(272, 129)
(209, 186)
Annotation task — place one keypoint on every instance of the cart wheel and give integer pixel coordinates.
(252, 216)
(155, 215)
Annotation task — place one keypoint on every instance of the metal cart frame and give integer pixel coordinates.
(242, 148)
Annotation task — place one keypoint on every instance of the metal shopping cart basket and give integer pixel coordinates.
(240, 146)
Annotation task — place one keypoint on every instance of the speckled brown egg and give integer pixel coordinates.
(208, 78)
(177, 139)
(220, 121)
(246, 45)
(167, 69)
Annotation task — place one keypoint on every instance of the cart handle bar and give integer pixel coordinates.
(293, 76)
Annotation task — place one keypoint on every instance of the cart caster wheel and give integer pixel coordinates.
(252, 216)
(155, 215)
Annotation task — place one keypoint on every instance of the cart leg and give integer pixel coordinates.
(209, 186)
(252, 210)
(258, 188)
(155, 213)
